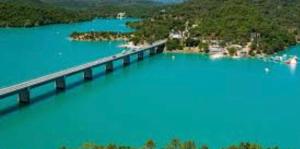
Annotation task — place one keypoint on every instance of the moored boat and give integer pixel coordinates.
(292, 61)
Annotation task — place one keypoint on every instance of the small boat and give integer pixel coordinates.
(236, 57)
(284, 56)
(173, 57)
(292, 61)
(216, 56)
(267, 70)
(278, 58)
(129, 46)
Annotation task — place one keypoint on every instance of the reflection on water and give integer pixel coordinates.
(293, 68)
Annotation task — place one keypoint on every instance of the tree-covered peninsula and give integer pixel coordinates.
(174, 144)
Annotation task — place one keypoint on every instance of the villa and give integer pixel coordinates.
(215, 49)
(121, 15)
(176, 35)
(298, 38)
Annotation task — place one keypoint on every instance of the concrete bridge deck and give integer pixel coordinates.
(59, 77)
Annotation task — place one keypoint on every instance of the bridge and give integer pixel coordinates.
(59, 78)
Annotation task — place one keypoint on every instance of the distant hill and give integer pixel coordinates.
(24, 2)
(20, 13)
(91, 3)
(83, 3)
(170, 1)
(35, 13)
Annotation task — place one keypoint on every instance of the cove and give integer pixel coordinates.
(214, 102)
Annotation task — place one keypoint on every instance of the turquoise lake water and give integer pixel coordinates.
(214, 102)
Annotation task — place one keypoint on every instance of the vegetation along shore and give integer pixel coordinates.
(99, 36)
(235, 28)
(174, 144)
(231, 27)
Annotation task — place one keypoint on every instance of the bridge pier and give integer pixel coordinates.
(60, 84)
(140, 55)
(126, 60)
(109, 67)
(160, 48)
(88, 74)
(152, 51)
(24, 96)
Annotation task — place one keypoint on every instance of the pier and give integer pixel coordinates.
(59, 78)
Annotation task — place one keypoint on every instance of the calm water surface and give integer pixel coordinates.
(215, 102)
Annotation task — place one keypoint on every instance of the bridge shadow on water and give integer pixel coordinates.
(46, 95)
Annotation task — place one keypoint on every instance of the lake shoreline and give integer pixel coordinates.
(187, 87)
(239, 51)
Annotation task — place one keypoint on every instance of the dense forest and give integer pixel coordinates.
(28, 13)
(268, 25)
(174, 144)
(12, 15)
(272, 24)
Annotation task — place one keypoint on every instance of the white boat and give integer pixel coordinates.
(292, 61)
(216, 56)
(267, 70)
(236, 57)
(278, 58)
(130, 45)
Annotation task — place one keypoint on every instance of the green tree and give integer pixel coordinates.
(188, 145)
(174, 144)
(232, 51)
(150, 144)
(174, 44)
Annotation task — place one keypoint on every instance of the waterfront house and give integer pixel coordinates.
(254, 36)
(242, 53)
(236, 46)
(121, 15)
(176, 35)
(214, 47)
(163, 11)
(298, 38)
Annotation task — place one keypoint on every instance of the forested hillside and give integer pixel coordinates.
(14, 15)
(83, 4)
(268, 25)
(27, 13)
(274, 23)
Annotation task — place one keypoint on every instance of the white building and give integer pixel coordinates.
(176, 35)
(121, 15)
(215, 49)
(298, 38)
